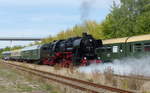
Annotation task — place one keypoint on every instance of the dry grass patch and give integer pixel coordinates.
(97, 77)
(109, 77)
(132, 83)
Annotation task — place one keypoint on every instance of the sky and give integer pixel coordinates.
(42, 18)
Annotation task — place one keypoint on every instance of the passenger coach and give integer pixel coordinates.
(134, 46)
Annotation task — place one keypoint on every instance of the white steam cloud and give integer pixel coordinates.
(123, 67)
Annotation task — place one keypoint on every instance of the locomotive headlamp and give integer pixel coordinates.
(85, 58)
(90, 40)
(98, 57)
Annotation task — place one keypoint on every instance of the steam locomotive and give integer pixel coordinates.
(74, 51)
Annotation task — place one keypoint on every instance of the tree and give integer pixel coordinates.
(129, 18)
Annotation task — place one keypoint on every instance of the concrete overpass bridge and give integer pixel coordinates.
(20, 39)
(11, 39)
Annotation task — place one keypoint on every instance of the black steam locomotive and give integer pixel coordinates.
(73, 51)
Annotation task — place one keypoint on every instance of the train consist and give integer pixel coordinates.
(74, 51)
(83, 50)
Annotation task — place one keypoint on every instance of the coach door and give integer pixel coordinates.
(128, 50)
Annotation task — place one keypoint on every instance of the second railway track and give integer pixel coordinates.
(72, 82)
(138, 77)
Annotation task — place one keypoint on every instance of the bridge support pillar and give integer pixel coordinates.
(11, 43)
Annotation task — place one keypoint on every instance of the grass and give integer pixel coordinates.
(71, 69)
(13, 81)
(132, 83)
(43, 84)
(57, 67)
(108, 73)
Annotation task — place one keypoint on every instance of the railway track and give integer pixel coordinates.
(72, 82)
(138, 77)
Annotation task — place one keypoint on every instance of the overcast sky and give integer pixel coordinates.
(41, 18)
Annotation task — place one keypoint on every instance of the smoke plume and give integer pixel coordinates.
(86, 8)
(123, 67)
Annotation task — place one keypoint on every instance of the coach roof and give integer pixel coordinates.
(31, 48)
(127, 39)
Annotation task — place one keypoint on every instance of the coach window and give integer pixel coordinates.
(109, 49)
(130, 46)
(138, 47)
(147, 47)
(103, 49)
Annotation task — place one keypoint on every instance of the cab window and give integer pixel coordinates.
(109, 49)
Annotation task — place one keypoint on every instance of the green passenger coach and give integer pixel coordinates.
(135, 46)
(31, 53)
(35, 53)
